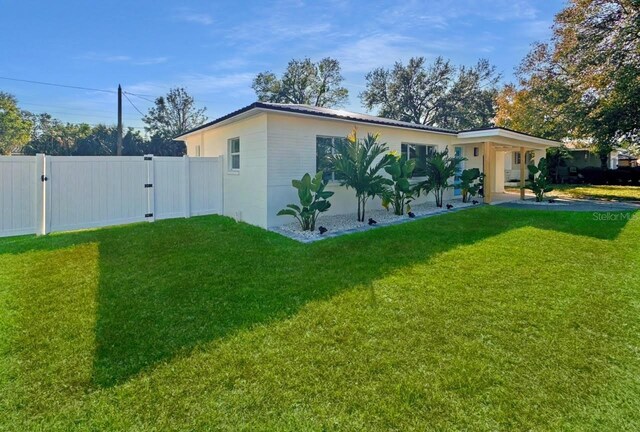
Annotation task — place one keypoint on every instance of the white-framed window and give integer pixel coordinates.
(234, 154)
(197, 151)
(325, 147)
(517, 158)
(419, 152)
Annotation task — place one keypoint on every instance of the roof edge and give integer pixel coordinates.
(381, 122)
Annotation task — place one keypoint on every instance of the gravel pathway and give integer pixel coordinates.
(346, 224)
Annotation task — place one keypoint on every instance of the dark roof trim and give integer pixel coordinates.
(221, 119)
(348, 116)
(298, 110)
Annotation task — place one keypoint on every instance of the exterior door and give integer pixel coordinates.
(459, 168)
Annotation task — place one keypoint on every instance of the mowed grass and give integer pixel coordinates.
(618, 193)
(596, 192)
(487, 319)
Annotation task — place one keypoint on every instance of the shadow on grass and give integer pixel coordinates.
(166, 288)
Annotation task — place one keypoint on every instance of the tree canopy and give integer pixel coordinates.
(21, 131)
(53, 137)
(585, 83)
(173, 115)
(437, 94)
(15, 125)
(304, 82)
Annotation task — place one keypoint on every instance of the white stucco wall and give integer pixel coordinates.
(292, 153)
(278, 147)
(473, 161)
(245, 191)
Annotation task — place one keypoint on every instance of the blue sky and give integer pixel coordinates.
(214, 49)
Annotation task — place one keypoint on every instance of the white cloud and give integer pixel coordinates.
(537, 29)
(110, 58)
(150, 61)
(448, 13)
(384, 49)
(107, 58)
(197, 84)
(192, 16)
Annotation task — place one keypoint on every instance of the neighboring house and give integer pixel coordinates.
(626, 160)
(583, 158)
(266, 145)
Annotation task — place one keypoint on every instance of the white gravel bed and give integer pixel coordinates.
(347, 223)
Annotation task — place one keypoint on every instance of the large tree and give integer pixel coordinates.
(15, 125)
(437, 94)
(55, 138)
(304, 82)
(173, 115)
(585, 83)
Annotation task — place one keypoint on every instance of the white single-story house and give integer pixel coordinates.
(266, 145)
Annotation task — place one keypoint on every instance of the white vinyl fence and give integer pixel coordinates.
(42, 194)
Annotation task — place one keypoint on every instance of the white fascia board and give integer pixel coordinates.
(241, 116)
(487, 134)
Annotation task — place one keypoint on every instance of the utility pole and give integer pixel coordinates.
(119, 145)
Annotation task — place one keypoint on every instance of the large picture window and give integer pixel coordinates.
(419, 152)
(325, 147)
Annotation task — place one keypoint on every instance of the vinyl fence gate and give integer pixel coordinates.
(42, 194)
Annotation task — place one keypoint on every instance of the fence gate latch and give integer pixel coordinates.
(148, 185)
(43, 178)
(148, 215)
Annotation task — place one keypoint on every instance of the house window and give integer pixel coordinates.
(528, 158)
(234, 154)
(419, 152)
(476, 151)
(516, 158)
(325, 147)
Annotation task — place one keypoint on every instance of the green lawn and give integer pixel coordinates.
(610, 193)
(487, 319)
(621, 193)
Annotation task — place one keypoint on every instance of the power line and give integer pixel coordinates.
(66, 108)
(75, 114)
(132, 104)
(104, 124)
(57, 85)
(140, 97)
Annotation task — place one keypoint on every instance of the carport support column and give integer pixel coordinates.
(523, 155)
(488, 172)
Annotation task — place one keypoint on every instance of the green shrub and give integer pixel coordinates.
(359, 163)
(470, 183)
(541, 183)
(400, 194)
(313, 201)
(439, 168)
